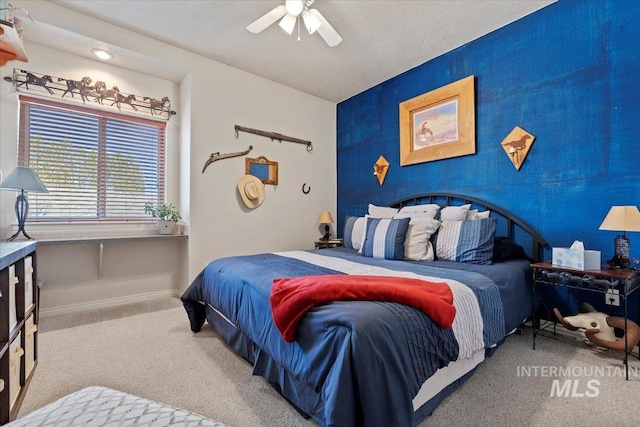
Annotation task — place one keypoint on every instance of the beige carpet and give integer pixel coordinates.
(148, 350)
(156, 356)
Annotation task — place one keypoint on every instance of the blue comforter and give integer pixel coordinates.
(365, 360)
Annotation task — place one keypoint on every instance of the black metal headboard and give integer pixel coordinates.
(514, 228)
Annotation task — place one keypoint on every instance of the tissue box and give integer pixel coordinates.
(5, 14)
(575, 258)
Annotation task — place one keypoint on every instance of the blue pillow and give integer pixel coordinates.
(466, 241)
(353, 230)
(385, 238)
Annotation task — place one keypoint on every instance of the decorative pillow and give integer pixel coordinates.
(413, 215)
(483, 215)
(505, 249)
(466, 241)
(417, 246)
(354, 231)
(364, 232)
(381, 211)
(431, 208)
(474, 214)
(385, 238)
(454, 213)
(420, 208)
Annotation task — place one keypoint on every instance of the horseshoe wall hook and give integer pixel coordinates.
(308, 189)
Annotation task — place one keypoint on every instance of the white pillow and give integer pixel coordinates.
(474, 214)
(454, 213)
(417, 246)
(428, 214)
(381, 211)
(419, 208)
(483, 215)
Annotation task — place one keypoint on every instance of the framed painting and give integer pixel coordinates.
(439, 124)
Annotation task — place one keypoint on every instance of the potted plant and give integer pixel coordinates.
(167, 216)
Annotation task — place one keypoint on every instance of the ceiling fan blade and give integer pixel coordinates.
(326, 30)
(268, 19)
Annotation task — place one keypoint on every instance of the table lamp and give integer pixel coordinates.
(325, 218)
(622, 219)
(22, 179)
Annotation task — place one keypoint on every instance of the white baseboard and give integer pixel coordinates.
(109, 302)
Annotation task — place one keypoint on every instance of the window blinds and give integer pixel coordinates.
(96, 165)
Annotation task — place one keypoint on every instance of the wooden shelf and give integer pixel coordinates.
(110, 239)
(14, 258)
(11, 47)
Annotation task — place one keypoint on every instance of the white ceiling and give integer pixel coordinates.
(381, 39)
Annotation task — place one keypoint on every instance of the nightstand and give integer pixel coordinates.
(324, 244)
(625, 282)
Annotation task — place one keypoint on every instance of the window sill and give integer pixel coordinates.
(97, 232)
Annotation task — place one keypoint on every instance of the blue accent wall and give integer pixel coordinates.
(569, 74)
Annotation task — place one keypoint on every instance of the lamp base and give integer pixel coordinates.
(21, 230)
(621, 246)
(22, 209)
(327, 235)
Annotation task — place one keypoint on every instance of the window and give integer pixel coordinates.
(96, 165)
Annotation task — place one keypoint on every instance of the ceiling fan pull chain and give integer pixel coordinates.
(298, 24)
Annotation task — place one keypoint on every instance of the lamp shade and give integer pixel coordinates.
(622, 218)
(325, 218)
(23, 179)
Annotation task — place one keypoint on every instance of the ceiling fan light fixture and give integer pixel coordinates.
(311, 22)
(288, 23)
(289, 15)
(294, 7)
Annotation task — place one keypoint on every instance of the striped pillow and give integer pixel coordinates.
(354, 231)
(466, 241)
(384, 238)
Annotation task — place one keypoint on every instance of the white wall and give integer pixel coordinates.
(133, 271)
(212, 99)
(220, 224)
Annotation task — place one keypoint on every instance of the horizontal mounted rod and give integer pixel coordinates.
(274, 136)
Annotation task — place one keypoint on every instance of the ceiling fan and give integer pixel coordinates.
(290, 13)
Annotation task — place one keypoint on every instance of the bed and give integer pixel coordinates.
(101, 406)
(373, 363)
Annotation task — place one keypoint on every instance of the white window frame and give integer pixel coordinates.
(101, 216)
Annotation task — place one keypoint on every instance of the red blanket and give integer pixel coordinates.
(291, 298)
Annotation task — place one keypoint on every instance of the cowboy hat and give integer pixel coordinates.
(251, 190)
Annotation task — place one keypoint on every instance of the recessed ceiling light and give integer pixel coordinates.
(102, 54)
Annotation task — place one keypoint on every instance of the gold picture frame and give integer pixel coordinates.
(439, 124)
